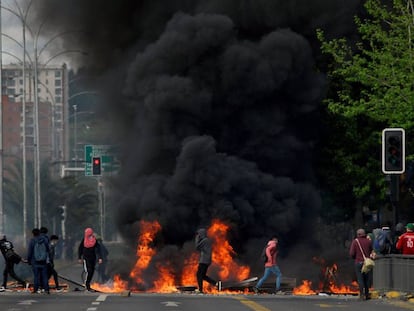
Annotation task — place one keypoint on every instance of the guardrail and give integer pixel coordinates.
(394, 272)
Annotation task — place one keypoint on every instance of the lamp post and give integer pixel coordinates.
(22, 16)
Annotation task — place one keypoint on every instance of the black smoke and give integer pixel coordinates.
(216, 106)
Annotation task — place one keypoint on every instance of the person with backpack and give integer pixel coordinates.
(11, 258)
(382, 241)
(270, 265)
(38, 257)
(88, 251)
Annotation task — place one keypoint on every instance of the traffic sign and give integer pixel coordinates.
(104, 152)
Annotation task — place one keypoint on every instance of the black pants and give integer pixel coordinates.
(89, 266)
(363, 280)
(202, 276)
(9, 269)
(51, 271)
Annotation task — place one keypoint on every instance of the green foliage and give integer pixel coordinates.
(371, 88)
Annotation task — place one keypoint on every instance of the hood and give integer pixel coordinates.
(41, 239)
(272, 242)
(202, 233)
(88, 232)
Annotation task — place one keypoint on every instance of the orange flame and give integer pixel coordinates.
(145, 251)
(223, 254)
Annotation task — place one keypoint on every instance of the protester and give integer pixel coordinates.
(11, 258)
(38, 257)
(271, 266)
(54, 239)
(361, 247)
(405, 243)
(88, 251)
(204, 247)
(102, 276)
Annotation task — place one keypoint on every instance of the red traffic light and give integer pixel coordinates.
(96, 166)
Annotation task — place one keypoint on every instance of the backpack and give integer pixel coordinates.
(382, 243)
(40, 251)
(263, 256)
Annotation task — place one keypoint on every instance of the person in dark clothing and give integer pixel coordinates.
(102, 277)
(39, 267)
(360, 247)
(88, 251)
(54, 239)
(203, 246)
(10, 259)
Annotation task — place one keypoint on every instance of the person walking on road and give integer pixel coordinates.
(204, 247)
(88, 251)
(270, 266)
(11, 258)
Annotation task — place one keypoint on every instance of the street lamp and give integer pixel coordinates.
(22, 16)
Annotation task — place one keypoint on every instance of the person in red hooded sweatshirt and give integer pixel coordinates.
(271, 266)
(89, 249)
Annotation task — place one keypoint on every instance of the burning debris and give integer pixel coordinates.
(215, 106)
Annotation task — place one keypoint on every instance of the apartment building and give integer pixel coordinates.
(53, 112)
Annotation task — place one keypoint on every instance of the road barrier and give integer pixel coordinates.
(394, 272)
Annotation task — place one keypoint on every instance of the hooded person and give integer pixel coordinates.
(89, 251)
(271, 266)
(204, 247)
(11, 258)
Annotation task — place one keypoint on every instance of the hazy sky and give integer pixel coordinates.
(12, 35)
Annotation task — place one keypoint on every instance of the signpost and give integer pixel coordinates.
(104, 152)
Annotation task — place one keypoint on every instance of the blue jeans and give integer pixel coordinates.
(40, 276)
(268, 270)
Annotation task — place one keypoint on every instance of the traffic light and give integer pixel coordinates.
(96, 166)
(393, 151)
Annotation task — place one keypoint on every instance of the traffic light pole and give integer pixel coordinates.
(395, 196)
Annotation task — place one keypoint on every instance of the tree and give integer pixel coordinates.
(371, 88)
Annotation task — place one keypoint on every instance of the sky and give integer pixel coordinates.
(49, 42)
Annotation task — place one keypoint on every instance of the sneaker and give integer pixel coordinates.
(279, 292)
(255, 289)
(2, 289)
(197, 291)
(59, 289)
(91, 290)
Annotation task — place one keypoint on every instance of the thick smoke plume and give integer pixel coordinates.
(216, 105)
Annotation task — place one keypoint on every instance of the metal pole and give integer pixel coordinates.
(1, 134)
(75, 138)
(38, 208)
(24, 160)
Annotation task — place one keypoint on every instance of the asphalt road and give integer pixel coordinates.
(85, 301)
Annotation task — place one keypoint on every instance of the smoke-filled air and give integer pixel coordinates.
(215, 107)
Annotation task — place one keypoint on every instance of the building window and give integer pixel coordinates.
(58, 99)
(58, 74)
(58, 91)
(58, 82)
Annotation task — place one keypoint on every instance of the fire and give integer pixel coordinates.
(304, 289)
(223, 254)
(145, 251)
(224, 267)
(223, 263)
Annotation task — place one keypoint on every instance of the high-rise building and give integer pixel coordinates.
(53, 112)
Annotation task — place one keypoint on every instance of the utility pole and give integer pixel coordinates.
(1, 129)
